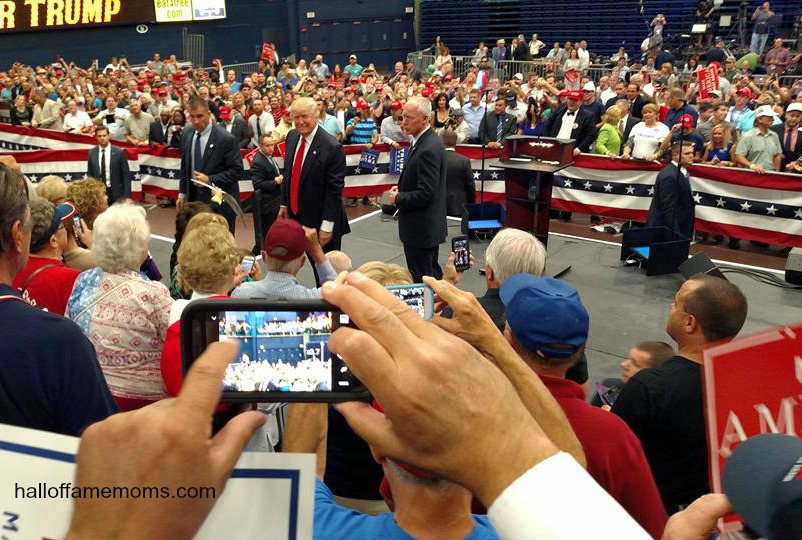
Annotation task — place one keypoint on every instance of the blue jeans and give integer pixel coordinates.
(758, 43)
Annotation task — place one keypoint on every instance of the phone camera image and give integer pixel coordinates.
(414, 297)
(283, 351)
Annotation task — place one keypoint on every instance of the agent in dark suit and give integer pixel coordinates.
(460, 187)
(210, 155)
(314, 177)
(267, 179)
(571, 122)
(421, 193)
(489, 131)
(672, 203)
(628, 121)
(112, 170)
(236, 126)
(790, 134)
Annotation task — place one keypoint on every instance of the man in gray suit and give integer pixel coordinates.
(108, 164)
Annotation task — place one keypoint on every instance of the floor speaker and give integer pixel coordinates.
(699, 264)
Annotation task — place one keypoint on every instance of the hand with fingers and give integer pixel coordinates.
(415, 370)
(166, 444)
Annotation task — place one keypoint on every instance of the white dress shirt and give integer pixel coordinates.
(266, 124)
(325, 225)
(107, 158)
(567, 125)
(558, 499)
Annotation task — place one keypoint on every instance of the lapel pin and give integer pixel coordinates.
(211, 146)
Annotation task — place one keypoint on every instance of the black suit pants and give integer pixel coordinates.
(423, 262)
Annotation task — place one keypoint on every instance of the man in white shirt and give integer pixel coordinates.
(76, 121)
(113, 118)
(260, 123)
(391, 131)
(606, 92)
(584, 55)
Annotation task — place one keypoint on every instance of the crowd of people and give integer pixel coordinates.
(534, 458)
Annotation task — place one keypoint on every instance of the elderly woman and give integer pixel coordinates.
(90, 200)
(53, 188)
(608, 140)
(122, 312)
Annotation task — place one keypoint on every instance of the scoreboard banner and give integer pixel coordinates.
(36, 15)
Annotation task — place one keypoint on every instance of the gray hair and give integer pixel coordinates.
(423, 105)
(121, 236)
(513, 251)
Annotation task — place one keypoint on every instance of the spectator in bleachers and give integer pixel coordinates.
(646, 137)
(499, 52)
(46, 112)
(789, 134)
(480, 51)
(760, 149)
(720, 149)
(740, 115)
(441, 113)
(46, 387)
(327, 122)
(260, 122)
(45, 281)
(760, 32)
(122, 312)
(591, 103)
(113, 117)
(497, 125)
(443, 62)
(679, 106)
(584, 56)
(547, 325)
(685, 131)
(391, 131)
(413, 73)
(535, 46)
(76, 121)
(572, 71)
(664, 406)
(473, 113)
(21, 114)
(137, 124)
(352, 69)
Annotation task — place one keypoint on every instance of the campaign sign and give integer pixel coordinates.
(752, 385)
(369, 158)
(267, 496)
(398, 156)
(268, 52)
(708, 80)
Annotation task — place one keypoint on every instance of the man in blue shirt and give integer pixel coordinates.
(472, 113)
(49, 375)
(679, 106)
(423, 505)
(361, 129)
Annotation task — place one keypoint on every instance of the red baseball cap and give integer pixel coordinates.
(563, 93)
(225, 112)
(362, 104)
(354, 79)
(575, 94)
(396, 105)
(744, 92)
(162, 91)
(687, 121)
(426, 92)
(285, 240)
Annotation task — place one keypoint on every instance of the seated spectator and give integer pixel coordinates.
(198, 216)
(645, 138)
(283, 253)
(664, 406)
(608, 139)
(547, 325)
(720, 149)
(123, 313)
(46, 282)
(646, 354)
(53, 188)
(46, 387)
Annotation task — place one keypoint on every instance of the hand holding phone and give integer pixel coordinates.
(462, 253)
(418, 296)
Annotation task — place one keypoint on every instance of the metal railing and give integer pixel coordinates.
(193, 45)
(242, 70)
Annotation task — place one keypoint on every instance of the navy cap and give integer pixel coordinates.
(61, 213)
(544, 312)
(763, 481)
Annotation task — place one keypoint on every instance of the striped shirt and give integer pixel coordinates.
(281, 285)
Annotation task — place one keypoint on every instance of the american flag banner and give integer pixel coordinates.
(70, 165)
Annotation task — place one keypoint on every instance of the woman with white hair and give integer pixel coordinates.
(122, 312)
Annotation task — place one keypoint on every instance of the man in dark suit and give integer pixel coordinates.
(420, 195)
(627, 121)
(161, 131)
(235, 125)
(571, 122)
(460, 187)
(267, 179)
(636, 100)
(108, 164)
(497, 125)
(790, 134)
(672, 203)
(314, 177)
(209, 155)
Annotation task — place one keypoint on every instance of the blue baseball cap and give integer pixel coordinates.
(61, 213)
(763, 481)
(545, 315)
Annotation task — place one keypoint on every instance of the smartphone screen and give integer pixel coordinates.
(247, 264)
(284, 349)
(608, 394)
(462, 253)
(418, 296)
(76, 224)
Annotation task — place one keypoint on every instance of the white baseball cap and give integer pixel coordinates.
(796, 106)
(764, 110)
(589, 87)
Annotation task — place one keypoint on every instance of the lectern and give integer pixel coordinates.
(529, 165)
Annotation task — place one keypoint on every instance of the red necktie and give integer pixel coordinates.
(297, 163)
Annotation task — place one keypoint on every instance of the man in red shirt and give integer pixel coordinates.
(547, 325)
(46, 281)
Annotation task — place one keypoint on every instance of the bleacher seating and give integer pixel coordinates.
(605, 24)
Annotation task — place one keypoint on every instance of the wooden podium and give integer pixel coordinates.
(529, 165)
